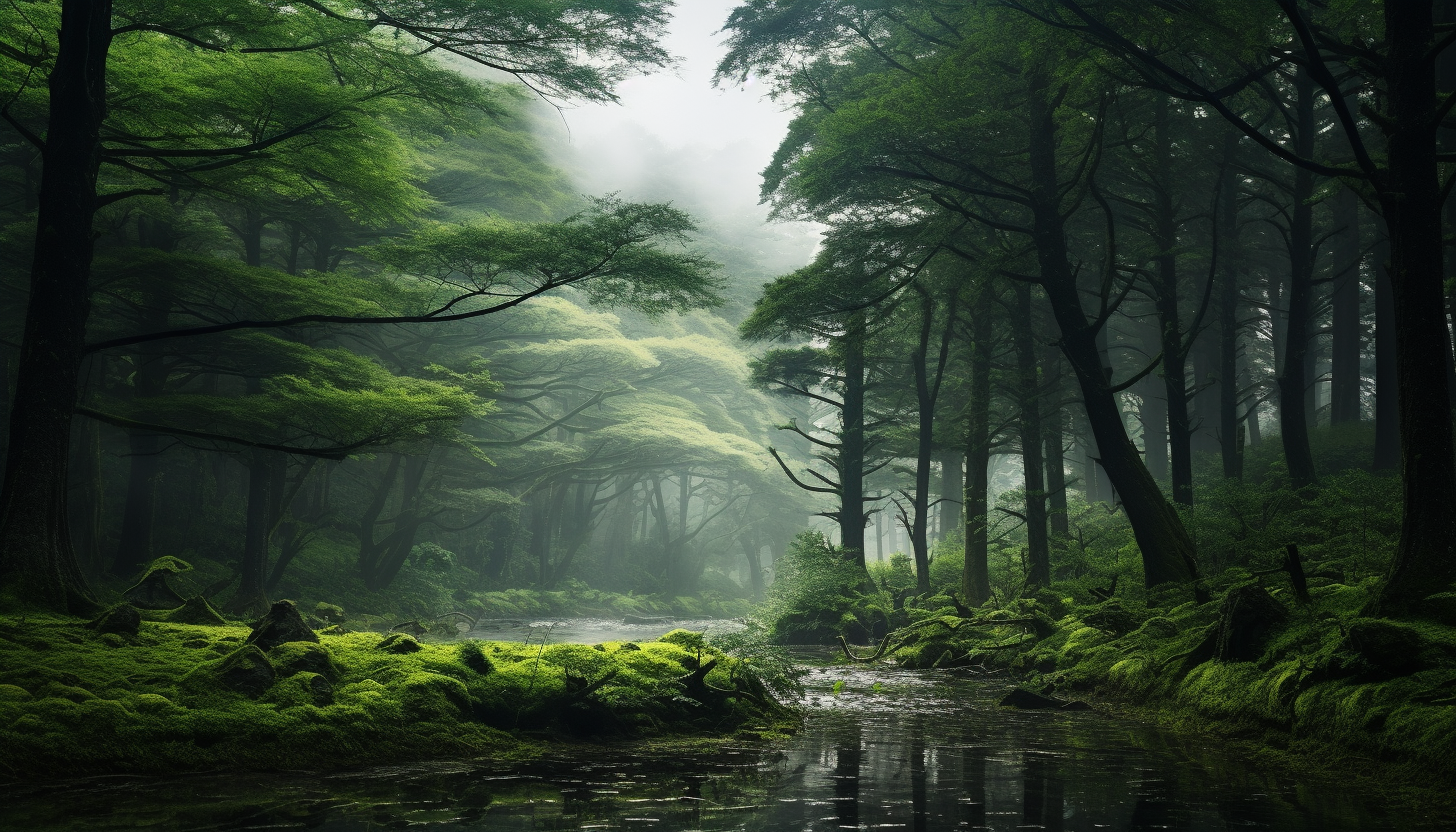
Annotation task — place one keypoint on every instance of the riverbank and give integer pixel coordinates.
(1297, 682)
(123, 695)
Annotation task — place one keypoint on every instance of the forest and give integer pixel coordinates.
(1093, 366)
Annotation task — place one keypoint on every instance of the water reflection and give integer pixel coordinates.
(886, 750)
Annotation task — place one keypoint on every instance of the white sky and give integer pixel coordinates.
(676, 136)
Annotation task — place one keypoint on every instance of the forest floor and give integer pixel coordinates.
(124, 695)
(1312, 684)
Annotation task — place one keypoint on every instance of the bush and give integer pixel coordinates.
(820, 594)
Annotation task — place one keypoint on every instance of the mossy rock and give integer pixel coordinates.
(1112, 617)
(1159, 628)
(281, 625)
(302, 657)
(686, 639)
(474, 658)
(195, 610)
(1388, 648)
(245, 670)
(400, 644)
(302, 688)
(14, 693)
(433, 696)
(1440, 607)
(1049, 601)
(59, 691)
(153, 704)
(122, 619)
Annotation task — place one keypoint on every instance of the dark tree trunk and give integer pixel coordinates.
(1168, 552)
(1293, 424)
(1172, 344)
(952, 483)
(1055, 455)
(1411, 204)
(1226, 244)
(134, 549)
(37, 563)
(1345, 317)
(852, 440)
(975, 575)
(754, 554)
(252, 594)
(1387, 382)
(252, 234)
(1028, 393)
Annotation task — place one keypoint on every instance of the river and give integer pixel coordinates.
(882, 749)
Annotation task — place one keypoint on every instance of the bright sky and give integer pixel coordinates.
(676, 136)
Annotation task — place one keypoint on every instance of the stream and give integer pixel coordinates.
(882, 749)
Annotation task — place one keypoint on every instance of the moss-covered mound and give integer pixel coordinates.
(1251, 662)
(179, 697)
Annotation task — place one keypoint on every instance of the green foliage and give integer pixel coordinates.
(819, 593)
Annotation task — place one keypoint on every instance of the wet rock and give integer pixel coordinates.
(245, 670)
(153, 592)
(122, 619)
(1246, 616)
(399, 644)
(302, 657)
(1026, 700)
(281, 625)
(196, 610)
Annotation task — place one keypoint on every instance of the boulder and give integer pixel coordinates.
(1027, 700)
(245, 670)
(153, 592)
(1387, 648)
(1245, 618)
(1112, 617)
(122, 619)
(399, 644)
(474, 658)
(302, 657)
(316, 686)
(281, 625)
(195, 610)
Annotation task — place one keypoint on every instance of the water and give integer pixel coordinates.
(589, 630)
(883, 749)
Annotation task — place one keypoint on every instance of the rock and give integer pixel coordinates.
(1026, 700)
(433, 696)
(1076, 705)
(281, 625)
(473, 658)
(196, 610)
(317, 687)
(332, 613)
(245, 670)
(1387, 647)
(152, 703)
(1049, 601)
(399, 644)
(153, 592)
(1440, 607)
(1246, 616)
(628, 647)
(302, 657)
(1111, 616)
(122, 619)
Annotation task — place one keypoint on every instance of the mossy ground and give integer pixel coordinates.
(74, 702)
(1332, 690)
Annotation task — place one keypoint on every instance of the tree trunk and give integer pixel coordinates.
(952, 483)
(1055, 455)
(1387, 382)
(852, 440)
(1226, 244)
(37, 563)
(1293, 423)
(1029, 403)
(1345, 317)
(1172, 346)
(1411, 204)
(1168, 552)
(975, 575)
(252, 595)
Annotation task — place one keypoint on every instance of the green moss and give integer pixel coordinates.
(182, 697)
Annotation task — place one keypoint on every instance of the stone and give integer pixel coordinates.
(196, 610)
(399, 644)
(122, 619)
(1387, 647)
(246, 670)
(302, 657)
(1026, 700)
(153, 592)
(281, 625)
(475, 659)
(1112, 617)
(1245, 618)
(318, 687)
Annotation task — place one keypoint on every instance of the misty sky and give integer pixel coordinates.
(675, 136)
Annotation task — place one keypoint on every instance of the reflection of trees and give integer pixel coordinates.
(1041, 795)
(846, 778)
(973, 787)
(917, 775)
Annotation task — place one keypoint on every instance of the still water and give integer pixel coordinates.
(882, 749)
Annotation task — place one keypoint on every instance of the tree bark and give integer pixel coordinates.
(975, 575)
(1226, 243)
(1028, 393)
(1345, 317)
(1411, 204)
(37, 563)
(1387, 381)
(852, 441)
(1174, 369)
(1293, 423)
